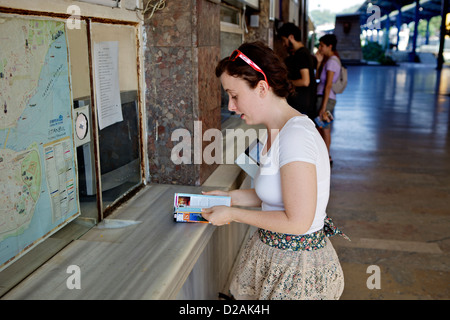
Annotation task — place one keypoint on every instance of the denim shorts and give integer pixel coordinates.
(330, 104)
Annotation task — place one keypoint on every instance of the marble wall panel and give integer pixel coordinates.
(181, 87)
(169, 102)
(208, 97)
(170, 29)
(208, 32)
(263, 31)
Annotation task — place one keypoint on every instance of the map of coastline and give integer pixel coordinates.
(38, 191)
(19, 190)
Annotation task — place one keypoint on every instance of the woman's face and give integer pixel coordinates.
(243, 100)
(324, 49)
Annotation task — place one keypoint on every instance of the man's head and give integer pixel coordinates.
(290, 34)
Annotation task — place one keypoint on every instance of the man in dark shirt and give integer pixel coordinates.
(300, 64)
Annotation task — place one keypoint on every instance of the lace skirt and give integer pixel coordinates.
(267, 272)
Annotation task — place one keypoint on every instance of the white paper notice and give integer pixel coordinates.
(106, 60)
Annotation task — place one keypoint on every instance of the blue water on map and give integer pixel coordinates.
(46, 118)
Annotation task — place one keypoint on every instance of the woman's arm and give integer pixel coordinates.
(239, 197)
(319, 59)
(326, 95)
(299, 188)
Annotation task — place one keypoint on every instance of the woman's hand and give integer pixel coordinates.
(322, 113)
(218, 215)
(324, 116)
(319, 58)
(239, 197)
(219, 193)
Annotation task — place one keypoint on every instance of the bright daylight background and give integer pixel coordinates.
(333, 5)
(323, 12)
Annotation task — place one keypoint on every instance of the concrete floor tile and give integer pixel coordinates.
(390, 181)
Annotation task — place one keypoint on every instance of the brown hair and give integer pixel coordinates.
(275, 70)
(328, 39)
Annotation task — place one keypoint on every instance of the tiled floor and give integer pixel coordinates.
(390, 187)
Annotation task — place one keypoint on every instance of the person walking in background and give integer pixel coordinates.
(328, 70)
(290, 255)
(301, 66)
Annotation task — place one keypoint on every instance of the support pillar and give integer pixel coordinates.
(386, 42)
(399, 25)
(444, 11)
(412, 55)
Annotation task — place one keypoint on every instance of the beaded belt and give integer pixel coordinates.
(305, 242)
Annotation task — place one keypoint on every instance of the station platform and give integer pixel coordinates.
(390, 193)
(390, 181)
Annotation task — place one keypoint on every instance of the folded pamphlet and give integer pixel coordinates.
(188, 207)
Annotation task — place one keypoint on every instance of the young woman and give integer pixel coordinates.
(329, 68)
(289, 257)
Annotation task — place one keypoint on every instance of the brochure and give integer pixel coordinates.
(323, 124)
(188, 207)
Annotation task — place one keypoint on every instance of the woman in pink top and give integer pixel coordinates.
(328, 70)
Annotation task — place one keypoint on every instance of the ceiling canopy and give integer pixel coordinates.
(427, 10)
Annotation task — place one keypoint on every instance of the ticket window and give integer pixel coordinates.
(231, 37)
(114, 154)
(105, 161)
(77, 40)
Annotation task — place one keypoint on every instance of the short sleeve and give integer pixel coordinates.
(297, 144)
(303, 59)
(300, 60)
(333, 65)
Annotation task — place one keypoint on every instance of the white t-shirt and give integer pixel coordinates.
(298, 140)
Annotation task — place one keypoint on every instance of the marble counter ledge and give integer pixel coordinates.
(148, 259)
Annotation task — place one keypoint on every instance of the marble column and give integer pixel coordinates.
(182, 48)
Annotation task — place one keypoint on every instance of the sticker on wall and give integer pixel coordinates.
(82, 125)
